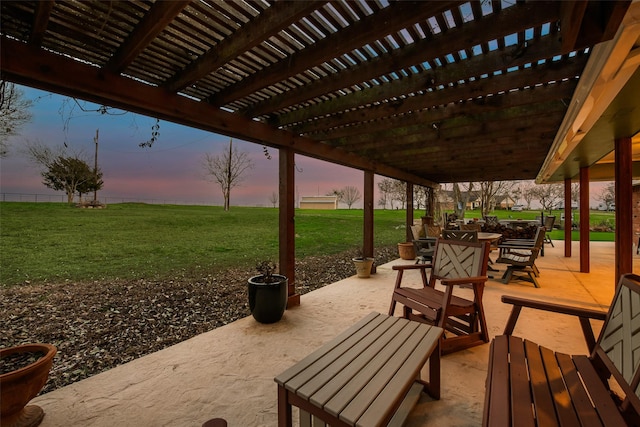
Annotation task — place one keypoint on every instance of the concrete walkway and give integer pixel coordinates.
(228, 372)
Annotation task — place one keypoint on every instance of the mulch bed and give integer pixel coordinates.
(99, 325)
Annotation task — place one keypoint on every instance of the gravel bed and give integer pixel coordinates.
(99, 325)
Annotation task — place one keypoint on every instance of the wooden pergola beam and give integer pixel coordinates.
(275, 18)
(395, 17)
(359, 133)
(513, 20)
(152, 24)
(43, 12)
(437, 97)
(47, 71)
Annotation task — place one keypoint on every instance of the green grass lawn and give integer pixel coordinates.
(42, 242)
(47, 242)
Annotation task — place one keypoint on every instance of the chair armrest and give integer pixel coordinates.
(464, 280)
(583, 314)
(411, 267)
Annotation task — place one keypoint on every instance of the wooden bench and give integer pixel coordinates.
(530, 385)
(367, 376)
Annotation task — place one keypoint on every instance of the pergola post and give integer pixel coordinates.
(623, 196)
(409, 213)
(567, 218)
(287, 248)
(584, 220)
(367, 232)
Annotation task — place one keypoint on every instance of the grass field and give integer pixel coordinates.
(53, 242)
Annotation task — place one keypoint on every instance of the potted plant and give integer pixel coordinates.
(267, 293)
(24, 370)
(364, 265)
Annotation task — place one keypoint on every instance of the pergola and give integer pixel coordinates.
(425, 92)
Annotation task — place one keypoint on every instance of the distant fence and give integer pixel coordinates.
(62, 198)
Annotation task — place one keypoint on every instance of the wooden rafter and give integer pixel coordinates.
(489, 28)
(153, 23)
(395, 17)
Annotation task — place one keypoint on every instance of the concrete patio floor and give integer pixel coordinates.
(228, 372)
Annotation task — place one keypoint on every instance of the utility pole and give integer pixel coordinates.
(95, 169)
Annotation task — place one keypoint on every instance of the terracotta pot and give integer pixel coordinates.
(17, 388)
(406, 250)
(363, 266)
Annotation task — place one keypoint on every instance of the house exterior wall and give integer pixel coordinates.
(319, 202)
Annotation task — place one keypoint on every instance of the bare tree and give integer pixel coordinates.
(608, 195)
(528, 192)
(350, 195)
(273, 199)
(399, 193)
(461, 198)
(549, 195)
(385, 188)
(14, 113)
(227, 169)
(488, 192)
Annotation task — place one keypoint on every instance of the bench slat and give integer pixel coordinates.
(584, 409)
(386, 403)
(520, 397)
(340, 389)
(602, 400)
(563, 406)
(498, 395)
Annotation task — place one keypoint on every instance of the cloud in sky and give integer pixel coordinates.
(170, 170)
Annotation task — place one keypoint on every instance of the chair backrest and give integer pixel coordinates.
(471, 226)
(549, 221)
(456, 259)
(432, 230)
(460, 235)
(415, 231)
(539, 238)
(491, 220)
(618, 345)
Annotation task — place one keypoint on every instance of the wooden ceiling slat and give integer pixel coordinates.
(274, 19)
(158, 17)
(42, 14)
(452, 73)
(469, 127)
(395, 16)
(491, 26)
(357, 133)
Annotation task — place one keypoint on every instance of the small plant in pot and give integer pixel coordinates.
(24, 370)
(267, 293)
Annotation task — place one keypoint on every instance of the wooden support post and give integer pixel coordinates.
(584, 220)
(623, 197)
(567, 218)
(409, 213)
(287, 229)
(367, 232)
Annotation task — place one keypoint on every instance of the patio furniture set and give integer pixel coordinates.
(370, 374)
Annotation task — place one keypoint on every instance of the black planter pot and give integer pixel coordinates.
(267, 301)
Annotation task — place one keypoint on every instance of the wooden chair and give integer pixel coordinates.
(455, 264)
(549, 221)
(432, 231)
(538, 386)
(472, 226)
(424, 246)
(521, 255)
(460, 235)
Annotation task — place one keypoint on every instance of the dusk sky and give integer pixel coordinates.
(171, 170)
